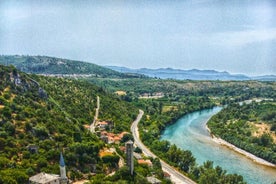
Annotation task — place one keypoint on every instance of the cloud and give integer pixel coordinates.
(242, 38)
(227, 39)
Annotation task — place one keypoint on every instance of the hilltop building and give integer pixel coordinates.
(45, 178)
(129, 156)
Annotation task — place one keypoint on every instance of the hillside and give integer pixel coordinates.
(176, 89)
(250, 126)
(194, 74)
(49, 114)
(57, 66)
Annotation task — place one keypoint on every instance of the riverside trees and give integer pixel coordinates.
(249, 126)
(155, 121)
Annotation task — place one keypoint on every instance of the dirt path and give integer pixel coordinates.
(93, 124)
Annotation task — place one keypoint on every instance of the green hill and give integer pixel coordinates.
(251, 127)
(49, 113)
(51, 65)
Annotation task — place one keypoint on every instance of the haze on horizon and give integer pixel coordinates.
(234, 36)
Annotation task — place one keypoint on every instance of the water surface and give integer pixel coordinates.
(190, 132)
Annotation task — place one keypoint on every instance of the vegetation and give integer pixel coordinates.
(152, 126)
(223, 91)
(181, 99)
(249, 126)
(41, 116)
(54, 66)
(50, 112)
(140, 174)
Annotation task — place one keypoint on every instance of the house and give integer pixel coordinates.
(167, 175)
(104, 138)
(121, 135)
(153, 180)
(102, 125)
(145, 162)
(104, 133)
(44, 178)
(117, 139)
(110, 138)
(123, 148)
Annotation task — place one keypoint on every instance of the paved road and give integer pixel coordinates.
(176, 176)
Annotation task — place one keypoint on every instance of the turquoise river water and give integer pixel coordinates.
(190, 133)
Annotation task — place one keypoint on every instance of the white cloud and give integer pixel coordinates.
(227, 39)
(242, 38)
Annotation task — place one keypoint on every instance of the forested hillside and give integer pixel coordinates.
(251, 127)
(42, 116)
(226, 91)
(57, 66)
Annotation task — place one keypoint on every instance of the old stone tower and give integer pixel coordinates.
(129, 156)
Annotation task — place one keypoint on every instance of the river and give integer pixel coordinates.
(190, 133)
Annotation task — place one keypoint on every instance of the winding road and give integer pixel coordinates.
(176, 176)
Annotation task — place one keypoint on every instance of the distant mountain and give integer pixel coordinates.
(194, 74)
(58, 66)
(265, 78)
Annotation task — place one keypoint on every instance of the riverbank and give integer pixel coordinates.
(175, 176)
(241, 151)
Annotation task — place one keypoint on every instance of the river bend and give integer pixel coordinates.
(190, 132)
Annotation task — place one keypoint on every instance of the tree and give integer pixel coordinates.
(9, 128)
(127, 137)
(111, 159)
(7, 112)
(137, 150)
(266, 140)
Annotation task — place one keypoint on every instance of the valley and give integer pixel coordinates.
(137, 92)
(53, 111)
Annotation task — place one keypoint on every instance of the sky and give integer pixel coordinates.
(238, 36)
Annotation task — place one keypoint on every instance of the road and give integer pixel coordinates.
(176, 176)
(93, 124)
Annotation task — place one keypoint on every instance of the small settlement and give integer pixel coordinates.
(103, 130)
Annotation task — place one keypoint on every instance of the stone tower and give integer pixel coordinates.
(63, 177)
(129, 156)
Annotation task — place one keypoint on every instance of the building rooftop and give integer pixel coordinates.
(123, 133)
(44, 178)
(103, 123)
(167, 175)
(146, 162)
(129, 142)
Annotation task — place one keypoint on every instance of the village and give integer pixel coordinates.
(119, 148)
(122, 141)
